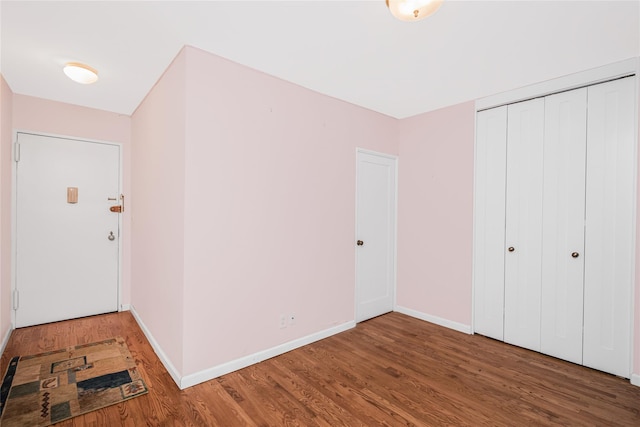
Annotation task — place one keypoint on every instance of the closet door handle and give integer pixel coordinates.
(575, 254)
(511, 249)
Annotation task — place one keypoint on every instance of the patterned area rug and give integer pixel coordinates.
(46, 388)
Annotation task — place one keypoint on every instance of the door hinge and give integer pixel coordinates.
(16, 152)
(16, 299)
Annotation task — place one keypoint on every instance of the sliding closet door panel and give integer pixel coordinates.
(609, 242)
(491, 143)
(523, 251)
(563, 225)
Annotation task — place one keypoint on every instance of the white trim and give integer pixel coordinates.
(5, 340)
(156, 347)
(635, 379)
(14, 212)
(634, 227)
(125, 307)
(395, 159)
(473, 225)
(376, 153)
(234, 365)
(120, 218)
(395, 237)
(14, 228)
(73, 138)
(460, 327)
(584, 78)
(210, 373)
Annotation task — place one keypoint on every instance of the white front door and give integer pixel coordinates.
(66, 251)
(375, 234)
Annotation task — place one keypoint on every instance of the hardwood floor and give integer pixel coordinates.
(392, 370)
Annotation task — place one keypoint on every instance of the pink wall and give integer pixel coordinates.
(42, 115)
(157, 205)
(435, 213)
(57, 118)
(266, 176)
(270, 208)
(6, 139)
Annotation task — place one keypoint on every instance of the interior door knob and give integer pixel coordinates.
(359, 243)
(111, 236)
(511, 249)
(575, 254)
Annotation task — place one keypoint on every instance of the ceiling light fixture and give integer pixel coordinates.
(80, 73)
(413, 10)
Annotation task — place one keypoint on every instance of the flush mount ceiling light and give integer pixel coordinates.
(413, 10)
(80, 73)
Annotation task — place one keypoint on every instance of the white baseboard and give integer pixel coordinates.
(460, 327)
(233, 365)
(5, 339)
(243, 362)
(156, 347)
(125, 307)
(635, 379)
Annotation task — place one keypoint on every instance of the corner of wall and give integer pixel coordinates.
(435, 215)
(157, 249)
(6, 142)
(175, 374)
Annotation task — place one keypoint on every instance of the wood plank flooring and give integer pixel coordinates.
(390, 371)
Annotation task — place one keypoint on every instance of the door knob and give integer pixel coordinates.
(359, 243)
(111, 236)
(575, 254)
(511, 249)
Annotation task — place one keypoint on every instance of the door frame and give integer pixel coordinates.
(14, 208)
(394, 251)
(613, 71)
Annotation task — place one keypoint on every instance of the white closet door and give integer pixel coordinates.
(525, 138)
(491, 145)
(609, 232)
(563, 225)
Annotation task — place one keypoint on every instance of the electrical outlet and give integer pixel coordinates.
(283, 321)
(292, 319)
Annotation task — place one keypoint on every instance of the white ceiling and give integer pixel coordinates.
(352, 50)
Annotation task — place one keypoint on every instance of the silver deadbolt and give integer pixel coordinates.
(111, 236)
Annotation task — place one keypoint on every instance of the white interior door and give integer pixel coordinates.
(489, 222)
(523, 260)
(609, 233)
(66, 253)
(563, 225)
(375, 234)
